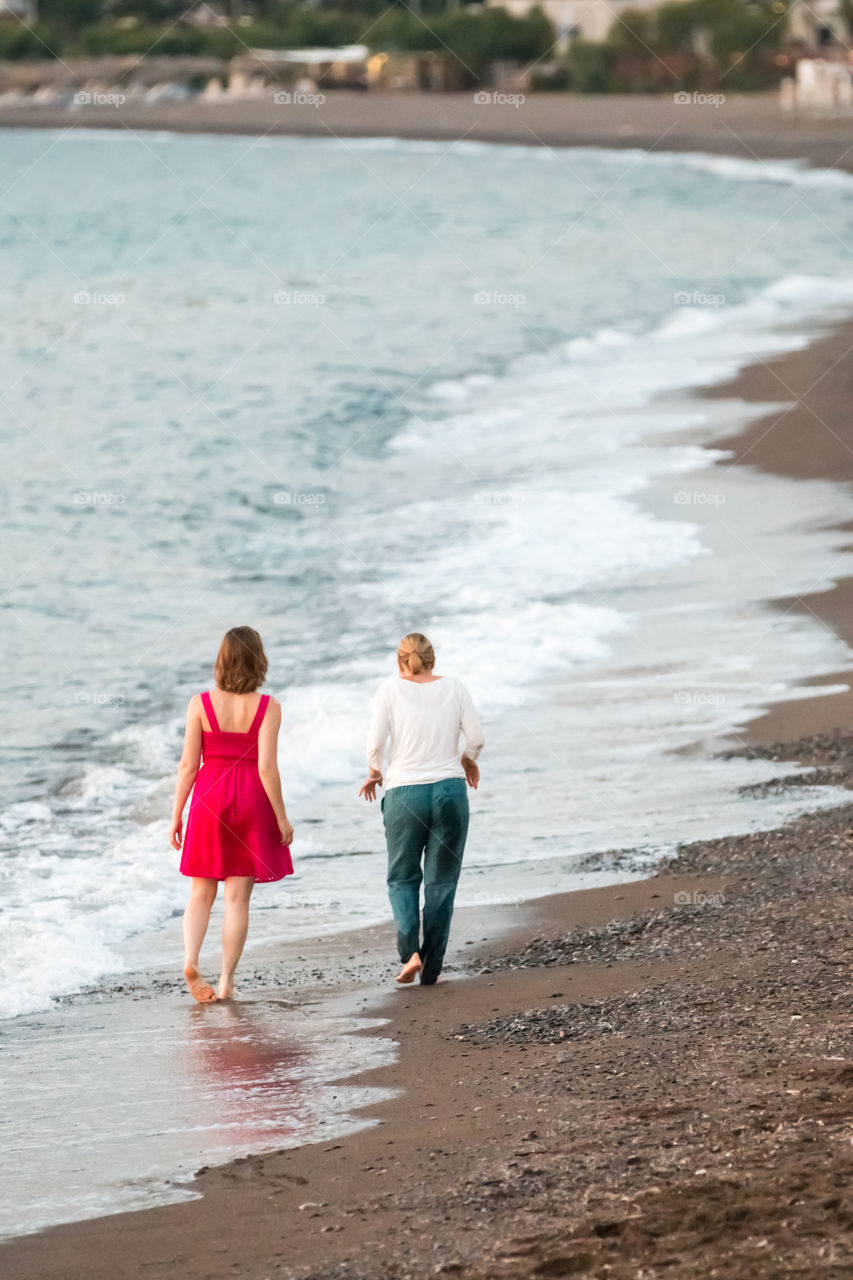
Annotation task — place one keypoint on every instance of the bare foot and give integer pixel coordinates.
(202, 990)
(410, 970)
(226, 988)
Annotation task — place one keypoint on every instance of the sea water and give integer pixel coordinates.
(344, 390)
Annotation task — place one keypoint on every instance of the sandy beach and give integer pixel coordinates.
(810, 438)
(633, 1081)
(659, 1076)
(751, 126)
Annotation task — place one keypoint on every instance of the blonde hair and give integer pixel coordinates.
(415, 654)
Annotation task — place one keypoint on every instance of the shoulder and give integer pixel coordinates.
(273, 711)
(385, 688)
(195, 705)
(462, 693)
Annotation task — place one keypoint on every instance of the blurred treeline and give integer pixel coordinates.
(683, 44)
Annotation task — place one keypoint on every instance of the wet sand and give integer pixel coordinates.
(747, 125)
(670, 1089)
(811, 438)
(260, 1197)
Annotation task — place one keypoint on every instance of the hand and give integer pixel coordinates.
(369, 788)
(286, 831)
(176, 833)
(472, 771)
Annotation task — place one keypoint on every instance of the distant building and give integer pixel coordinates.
(210, 14)
(26, 11)
(430, 70)
(207, 15)
(334, 68)
(818, 24)
(578, 19)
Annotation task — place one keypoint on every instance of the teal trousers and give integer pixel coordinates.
(427, 825)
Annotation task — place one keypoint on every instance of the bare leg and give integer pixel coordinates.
(196, 919)
(235, 926)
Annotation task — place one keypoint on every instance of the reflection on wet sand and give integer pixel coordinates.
(252, 1075)
(103, 1102)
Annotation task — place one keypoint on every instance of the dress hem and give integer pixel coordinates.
(196, 875)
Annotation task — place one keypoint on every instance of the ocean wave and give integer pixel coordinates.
(65, 917)
(699, 342)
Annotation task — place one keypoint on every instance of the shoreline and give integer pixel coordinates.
(675, 1080)
(749, 126)
(481, 1152)
(811, 438)
(609, 1088)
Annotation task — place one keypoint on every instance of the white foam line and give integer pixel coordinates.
(793, 172)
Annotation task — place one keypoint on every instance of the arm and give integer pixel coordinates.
(377, 736)
(187, 770)
(472, 731)
(268, 768)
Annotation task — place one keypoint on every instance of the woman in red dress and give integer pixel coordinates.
(238, 830)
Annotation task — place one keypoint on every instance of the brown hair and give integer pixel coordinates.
(241, 664)
(415, 653)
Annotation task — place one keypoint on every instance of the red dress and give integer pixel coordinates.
(232, 828)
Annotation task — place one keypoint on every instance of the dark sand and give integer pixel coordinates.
(812, 438)
(746, 125)
(659, 1081)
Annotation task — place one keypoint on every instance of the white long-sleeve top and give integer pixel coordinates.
(424, 723)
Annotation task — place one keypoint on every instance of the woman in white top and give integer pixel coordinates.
(420, 717)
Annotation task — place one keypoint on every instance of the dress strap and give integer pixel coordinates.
(211, 714)
(260, 713)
